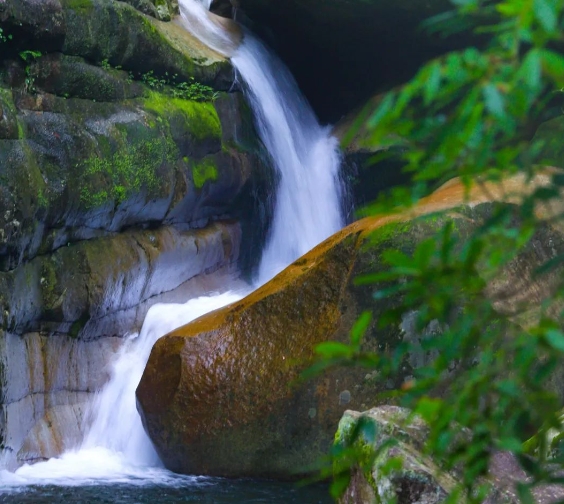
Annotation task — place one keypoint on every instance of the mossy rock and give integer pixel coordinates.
(212, 406)
(32, 24)
(73, 77)
(105, 153)
(99, 30)
(418, 480)
(95, 288)
(8, 117)
(414, 476)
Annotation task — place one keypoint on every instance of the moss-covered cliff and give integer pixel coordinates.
(127, 171)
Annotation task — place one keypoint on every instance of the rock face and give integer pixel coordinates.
(221, 396)
(116, 192)
(421, 480)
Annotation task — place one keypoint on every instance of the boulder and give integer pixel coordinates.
(222, 396)
(420, 479)
(47, 383)
(95, 137)
(63, 316)
(113, 31)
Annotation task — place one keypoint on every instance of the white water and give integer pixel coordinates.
(117, 448)
(307, 211)
(306, 157)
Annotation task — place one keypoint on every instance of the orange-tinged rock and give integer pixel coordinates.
(221, 395)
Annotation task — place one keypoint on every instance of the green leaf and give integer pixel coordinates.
(384, 108)
(433, 82)
(555, 339)
(494, 100)
(553, 64)
(531, 69)
(510, 444)
(550, 265)
(340, 483)
(545, 12)
(428, 408)
(333, 349)
(524, 493)
(360, 327)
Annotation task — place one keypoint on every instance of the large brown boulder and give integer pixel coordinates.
(221, 395)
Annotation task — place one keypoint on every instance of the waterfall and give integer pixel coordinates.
(306, 157)
(307, 210)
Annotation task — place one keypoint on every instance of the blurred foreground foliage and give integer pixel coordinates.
(472, 113)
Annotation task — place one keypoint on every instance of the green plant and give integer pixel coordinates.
(3, 37)
(154, 82)
(471, 113)
(194, 91)
(191, 90)
(126, 172)
(105, 64)
(29, 56)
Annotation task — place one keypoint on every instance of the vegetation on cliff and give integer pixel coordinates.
(472, 113)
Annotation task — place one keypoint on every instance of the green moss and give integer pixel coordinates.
(349, 434)
(48, 284)
(78, 4)
(204, 172)
(21, 132)
(201, 118)
(78, 325)
(126, 172)
(406, 231)
(388, 232)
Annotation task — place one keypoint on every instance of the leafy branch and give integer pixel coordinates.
(472, 113)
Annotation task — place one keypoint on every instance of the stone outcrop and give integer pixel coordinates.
(47, 384)
(420, 479)
(116, 192)
(222, 395)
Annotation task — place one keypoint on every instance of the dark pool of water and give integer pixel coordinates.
(203, 492)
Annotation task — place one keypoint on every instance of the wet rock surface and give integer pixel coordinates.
(222, 395)
(116, 192)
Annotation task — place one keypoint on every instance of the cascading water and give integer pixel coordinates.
(307, 210)
(307, 200)
(304, 154)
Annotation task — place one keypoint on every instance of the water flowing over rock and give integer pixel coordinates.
(221, 396)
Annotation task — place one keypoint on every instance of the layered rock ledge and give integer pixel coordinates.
(117, 191)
